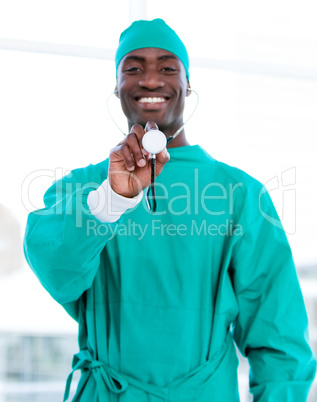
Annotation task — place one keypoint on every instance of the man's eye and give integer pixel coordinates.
(132, 69)
(169, 69)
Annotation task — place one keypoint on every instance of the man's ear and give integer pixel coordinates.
(189, 90)
(116, 92)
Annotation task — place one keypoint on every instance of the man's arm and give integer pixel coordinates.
(64, 240)
(271, 329)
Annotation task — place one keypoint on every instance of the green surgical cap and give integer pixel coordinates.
(155, 33)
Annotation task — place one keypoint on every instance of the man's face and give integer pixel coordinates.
(152, 85)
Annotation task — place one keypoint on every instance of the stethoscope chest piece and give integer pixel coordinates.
(154, 141)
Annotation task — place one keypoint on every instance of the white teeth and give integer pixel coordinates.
(151, 100)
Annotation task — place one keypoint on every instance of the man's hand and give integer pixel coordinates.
(129, 164)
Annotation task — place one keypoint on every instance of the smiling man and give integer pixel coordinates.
(162, 298)
(146, 95)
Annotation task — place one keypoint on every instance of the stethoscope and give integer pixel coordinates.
(154, 142)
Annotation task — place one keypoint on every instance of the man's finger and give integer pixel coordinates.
(136, 149)
(151, 125)
(163, 157)
(138, 130)
(128, 157)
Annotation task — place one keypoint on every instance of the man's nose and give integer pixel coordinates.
(151, 80)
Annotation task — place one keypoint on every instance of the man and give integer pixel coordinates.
(161, 297)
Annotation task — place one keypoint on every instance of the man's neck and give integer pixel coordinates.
(179, 141)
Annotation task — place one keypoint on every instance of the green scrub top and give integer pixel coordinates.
(161, 298)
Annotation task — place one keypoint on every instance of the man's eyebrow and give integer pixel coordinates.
(167, 56)
(137, 58)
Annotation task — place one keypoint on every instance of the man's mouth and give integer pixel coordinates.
(151, 100)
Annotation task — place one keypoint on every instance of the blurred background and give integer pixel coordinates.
(254, 65)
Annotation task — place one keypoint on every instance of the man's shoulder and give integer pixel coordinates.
(238, 175)
(227, 173)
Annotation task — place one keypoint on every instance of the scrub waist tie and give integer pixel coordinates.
(186, 387)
